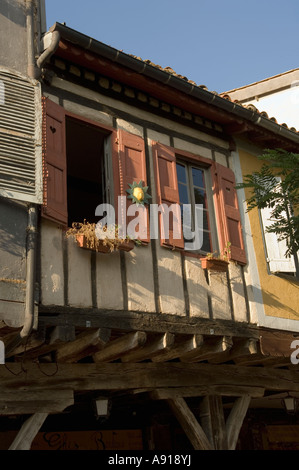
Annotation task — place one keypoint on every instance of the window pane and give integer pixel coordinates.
(198, 177)
(202, 219)
(200, 197)
(206, 245)
(206, 220)
(181, 172)
(183, 193)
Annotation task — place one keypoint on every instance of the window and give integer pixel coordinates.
(86, 164)
(194, 188)
(86, 182)
(183, 178)
(275, 248)
(20, 143)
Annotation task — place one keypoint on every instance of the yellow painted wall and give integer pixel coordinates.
(280, 295)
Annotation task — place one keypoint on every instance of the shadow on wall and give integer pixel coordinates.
(14, 11)
(285, 311)
(175, 294)
(13, 229)
(269, 299)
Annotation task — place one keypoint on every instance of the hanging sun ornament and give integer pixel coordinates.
(138, 193)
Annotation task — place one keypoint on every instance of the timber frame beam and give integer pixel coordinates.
(145, 376)
(212, 433)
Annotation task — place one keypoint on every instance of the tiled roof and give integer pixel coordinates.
(152, 70)
(256, 110)
(225, 95)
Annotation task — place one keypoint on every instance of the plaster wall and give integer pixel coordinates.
(150, 278)
(279, 294)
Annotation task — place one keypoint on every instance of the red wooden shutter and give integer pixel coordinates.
(132, 168)
(167, 190)
(229, 217)
(54, 162)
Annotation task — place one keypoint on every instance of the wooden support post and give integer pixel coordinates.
(28, 432)
(218, 422)
(235, 420)
(212, 420)
(189, 424)
(205, 419)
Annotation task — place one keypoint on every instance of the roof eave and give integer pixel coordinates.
(179, 84)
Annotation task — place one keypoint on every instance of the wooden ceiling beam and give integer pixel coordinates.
(154, 345)
(139, 321)
(200, 391)
(209, 349)
(60, 335)
(119, 376)
(179, 348)
(245, 348)
(30, 402)
(86, 344)
(121, 346)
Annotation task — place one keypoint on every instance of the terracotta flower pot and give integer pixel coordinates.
(127, 245)
(214, 264)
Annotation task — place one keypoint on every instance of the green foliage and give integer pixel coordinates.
(276, 186)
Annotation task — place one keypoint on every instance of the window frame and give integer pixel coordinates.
(209, 195)
(226, 209)
(119, 142)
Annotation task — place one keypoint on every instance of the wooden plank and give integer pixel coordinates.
(118, 376)
(28, 432)
(189, 424)
(152, 347)
(140, 321)
(121, 346)
(235, 420)
(30, 402)
(179, 348)
(210, 349)
(87, 344)
(187, 392)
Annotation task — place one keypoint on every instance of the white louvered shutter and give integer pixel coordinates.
(276, 249)
(20, 138)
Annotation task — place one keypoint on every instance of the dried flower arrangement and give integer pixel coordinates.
(109, 240)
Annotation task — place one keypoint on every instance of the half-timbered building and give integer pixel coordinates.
(144, 346)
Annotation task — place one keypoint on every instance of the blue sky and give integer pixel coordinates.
(216, 43)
